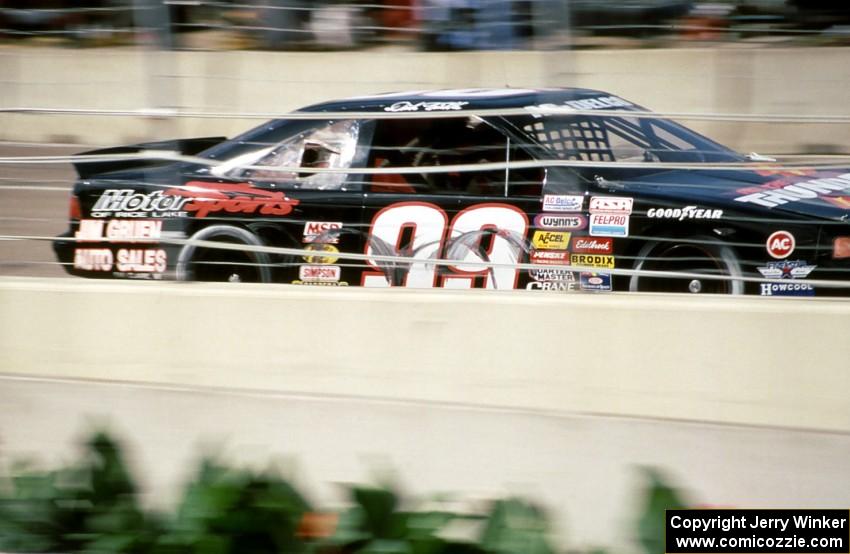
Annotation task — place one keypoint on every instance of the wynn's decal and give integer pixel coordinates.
(779, 192)
(499, 227)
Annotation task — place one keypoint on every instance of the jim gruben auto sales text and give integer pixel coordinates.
(727, 522)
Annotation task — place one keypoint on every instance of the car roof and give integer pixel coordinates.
(465, 100)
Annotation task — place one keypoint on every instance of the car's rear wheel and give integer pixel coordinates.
(702, 258)
(202, 263)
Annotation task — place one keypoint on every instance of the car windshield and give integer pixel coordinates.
(608, 138)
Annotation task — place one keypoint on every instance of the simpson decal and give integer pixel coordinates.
(319, 273)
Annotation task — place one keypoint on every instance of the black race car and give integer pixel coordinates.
(572, 184)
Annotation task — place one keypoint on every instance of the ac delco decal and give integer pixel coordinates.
(322, 231)
(551, 240)
(319, 273)
(550, 257)
(242, 198)
(124, 230)
(611, 204)
(592, 245)
(592, 260)
(556, 222)
(780, 244)
(562, 203)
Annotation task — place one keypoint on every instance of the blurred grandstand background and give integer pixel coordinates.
(429, 25)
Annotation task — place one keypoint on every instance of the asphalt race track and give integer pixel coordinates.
(33, 203)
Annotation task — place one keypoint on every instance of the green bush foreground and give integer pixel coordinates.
(92, 507)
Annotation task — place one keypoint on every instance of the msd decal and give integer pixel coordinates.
(592, 245)
(780, 244)
(242, 198)
(322, 231)
(554, 222)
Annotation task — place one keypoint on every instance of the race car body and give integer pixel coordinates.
(567, 180)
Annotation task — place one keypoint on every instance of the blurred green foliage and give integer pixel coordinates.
(92, 507)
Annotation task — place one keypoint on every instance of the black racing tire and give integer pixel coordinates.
(700, 254)
(198, 263)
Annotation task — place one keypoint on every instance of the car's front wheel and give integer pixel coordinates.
(706, 266)
(208, 263)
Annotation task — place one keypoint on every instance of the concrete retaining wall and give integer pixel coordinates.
(557, 397)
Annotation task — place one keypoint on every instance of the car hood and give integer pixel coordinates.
(804, 193)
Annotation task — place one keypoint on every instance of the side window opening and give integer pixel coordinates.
(332, 146)
(432, 143)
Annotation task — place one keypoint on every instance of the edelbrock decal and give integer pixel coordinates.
(592, 245)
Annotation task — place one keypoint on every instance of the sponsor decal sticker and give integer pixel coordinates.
(557, 222)
(140, 261)
(786, 269)
(550, 257)
(560, 286)
(680, 214)
(780, 244)
(593, 260)
(321, 283)
(779, 192)
(129, 203)
(551, 240)
(608, 204)
(551, 274)
(609, 225)
(322, 231)
(595, 281)
(241, 198)
(93, 259)
(329, 254)
(787, 289)
(592, 245)
(562, 203)
(322, 273)
(598, 103)
(406, 106)
(124, 230)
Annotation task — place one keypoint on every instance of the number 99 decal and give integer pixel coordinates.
(485, 232)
